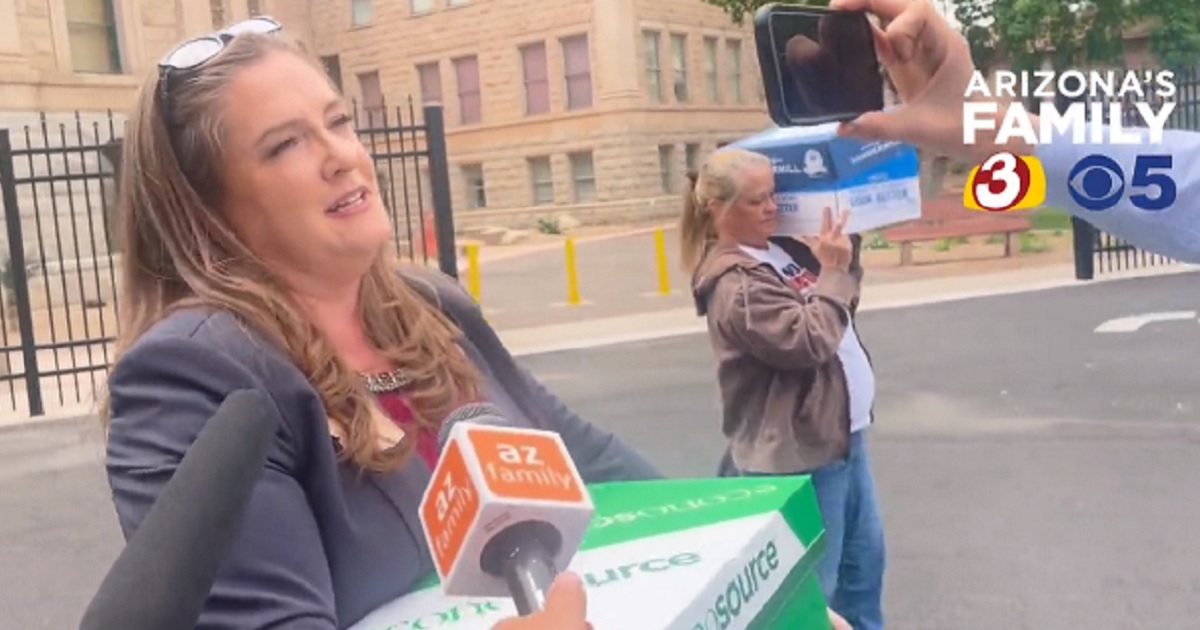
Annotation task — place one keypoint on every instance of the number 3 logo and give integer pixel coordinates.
(1005, 182)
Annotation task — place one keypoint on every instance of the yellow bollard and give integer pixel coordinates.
(660, 254)
(473, 271)
(572, 274)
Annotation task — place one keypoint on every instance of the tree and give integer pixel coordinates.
(1076, 33)
(1175, 39)
(739, 9)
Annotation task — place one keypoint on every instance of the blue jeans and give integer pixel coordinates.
(851, 570)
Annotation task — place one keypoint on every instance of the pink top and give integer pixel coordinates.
(397, 408)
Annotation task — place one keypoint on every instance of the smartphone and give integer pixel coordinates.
(818, 64)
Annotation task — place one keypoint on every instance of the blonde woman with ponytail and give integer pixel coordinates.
(796, 383)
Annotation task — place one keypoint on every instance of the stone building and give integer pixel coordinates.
(589, 107)
(592, 107)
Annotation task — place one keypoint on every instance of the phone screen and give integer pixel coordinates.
(823, 64)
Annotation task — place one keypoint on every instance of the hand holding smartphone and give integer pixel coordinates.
(819, 65)
(819, 69)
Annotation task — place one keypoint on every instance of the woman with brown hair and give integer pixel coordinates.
(797, 387)
(256, 257)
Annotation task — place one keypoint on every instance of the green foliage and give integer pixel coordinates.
(738, 10)
(1073, 32)
(1175, 40)
(1076, 33)
(976, 18)
(1032, 244)
(1050, 219)
(877, 241)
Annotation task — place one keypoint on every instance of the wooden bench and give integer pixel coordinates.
(945, 217)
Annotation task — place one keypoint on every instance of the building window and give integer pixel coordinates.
(537, 80)
(372, 97)
(733, 48)
(470, 106)
(692, 157)
(361, 12)
(254, 8)
(421, 6)
(430, 77)
(333, 68)
(217, 10)
(577, 66)
(583, 177)
(679, 66)
(541, 179)
(653, 65)
(476, 190)
(666, 166)
(710, 70)
(92, 29)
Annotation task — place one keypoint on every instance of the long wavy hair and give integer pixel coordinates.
(178, 252)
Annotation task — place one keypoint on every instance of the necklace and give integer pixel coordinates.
(383, 382)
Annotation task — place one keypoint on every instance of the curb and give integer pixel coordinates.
(533, 341)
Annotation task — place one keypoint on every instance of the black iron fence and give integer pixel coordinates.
(59, 260)
(1097, 251)
(413, 172)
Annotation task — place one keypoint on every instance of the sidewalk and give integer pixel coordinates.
(670, 322)
(618, 276)
(524, 296)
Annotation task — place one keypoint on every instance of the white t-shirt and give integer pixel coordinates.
(860, 378)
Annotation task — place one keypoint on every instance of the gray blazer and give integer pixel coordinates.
(322, 544)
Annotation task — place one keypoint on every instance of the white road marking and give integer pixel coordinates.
(1134, 323)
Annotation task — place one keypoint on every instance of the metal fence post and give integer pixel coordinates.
(18, 269)
(1084, 243)
(111, 151)
(439, 182)
(1083, 235)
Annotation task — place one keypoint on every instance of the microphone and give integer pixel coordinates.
(505, 510)
(164, 575)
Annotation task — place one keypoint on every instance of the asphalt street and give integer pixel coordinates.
(1033, 474)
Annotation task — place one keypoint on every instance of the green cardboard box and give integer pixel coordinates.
(693, 554)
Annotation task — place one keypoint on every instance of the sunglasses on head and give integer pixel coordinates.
(196, 52)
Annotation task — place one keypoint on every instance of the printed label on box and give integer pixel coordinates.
(878, 182)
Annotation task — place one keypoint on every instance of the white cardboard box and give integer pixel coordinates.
(731, 553)
(815, 168)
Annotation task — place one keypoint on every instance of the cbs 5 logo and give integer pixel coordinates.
(1097, 182)
(1006, 182)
